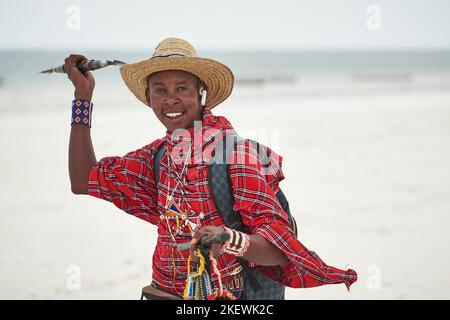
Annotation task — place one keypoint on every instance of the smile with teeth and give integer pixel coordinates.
(174, 115)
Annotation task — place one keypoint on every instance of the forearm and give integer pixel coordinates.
(264, 253)
(81, 158)
(81, 151)
(251, 247)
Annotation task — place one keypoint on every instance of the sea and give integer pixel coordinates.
(310, 74)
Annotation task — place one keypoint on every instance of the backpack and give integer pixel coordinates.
(256, 286)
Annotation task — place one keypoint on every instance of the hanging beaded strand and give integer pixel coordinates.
(198, 284)
(220, 293)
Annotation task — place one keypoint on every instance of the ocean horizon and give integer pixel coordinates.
(252, 66)
(263, 74)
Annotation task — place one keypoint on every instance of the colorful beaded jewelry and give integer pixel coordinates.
(198, 284)
(238, 243)
(220, 293)
(81, 112)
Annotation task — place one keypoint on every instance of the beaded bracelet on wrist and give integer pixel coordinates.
(82, 112)
(237, 244)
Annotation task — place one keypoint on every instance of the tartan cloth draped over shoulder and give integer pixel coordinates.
(128, 182)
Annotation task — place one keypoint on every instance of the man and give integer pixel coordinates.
(182, 88)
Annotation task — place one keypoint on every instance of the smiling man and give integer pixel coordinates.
(174, 97)
(182, 88)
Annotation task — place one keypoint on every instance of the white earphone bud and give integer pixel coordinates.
(202, 93)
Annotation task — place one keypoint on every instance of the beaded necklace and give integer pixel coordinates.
(168, 209)
(168, 206)
(173, 210)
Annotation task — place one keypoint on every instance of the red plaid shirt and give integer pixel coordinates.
(128, 182)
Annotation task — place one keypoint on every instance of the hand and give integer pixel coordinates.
(84, 83)
(201, 232)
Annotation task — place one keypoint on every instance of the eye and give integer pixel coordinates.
(180, 89)
(159, 90)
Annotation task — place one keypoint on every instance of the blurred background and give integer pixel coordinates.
(354, 94)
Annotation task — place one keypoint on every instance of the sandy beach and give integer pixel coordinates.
(367, 177)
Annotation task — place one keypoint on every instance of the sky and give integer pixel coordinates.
(231, 24)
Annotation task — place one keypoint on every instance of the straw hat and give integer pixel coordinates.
(178, 54)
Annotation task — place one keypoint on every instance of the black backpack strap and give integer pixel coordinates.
(157, 162)
(219, 181)
(264, 158)
(285, 205)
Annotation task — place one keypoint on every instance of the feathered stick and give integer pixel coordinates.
(85, 65)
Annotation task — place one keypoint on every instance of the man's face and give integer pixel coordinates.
(174, 98)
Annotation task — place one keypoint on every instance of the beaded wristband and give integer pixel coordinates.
(81, 112)
(237, 244)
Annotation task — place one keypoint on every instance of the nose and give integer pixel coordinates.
(171, 99)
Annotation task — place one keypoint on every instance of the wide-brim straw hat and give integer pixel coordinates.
(178, 54)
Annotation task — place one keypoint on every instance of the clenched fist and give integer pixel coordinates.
(84, 83)
(201, 232)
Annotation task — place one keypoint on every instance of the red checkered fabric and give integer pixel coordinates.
(128, 182)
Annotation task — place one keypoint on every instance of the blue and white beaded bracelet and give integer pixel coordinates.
(81, 112)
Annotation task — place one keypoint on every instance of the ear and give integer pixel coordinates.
(147, 96)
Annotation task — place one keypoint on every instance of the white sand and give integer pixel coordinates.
(367, 177)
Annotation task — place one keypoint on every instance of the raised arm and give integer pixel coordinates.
(81, 151)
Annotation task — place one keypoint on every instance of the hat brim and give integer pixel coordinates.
(217, 77)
